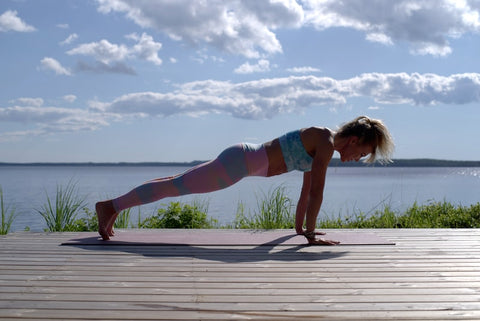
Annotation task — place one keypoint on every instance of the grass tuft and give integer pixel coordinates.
(8, 215)
(60, 215)
(123, 219)
(274, 211)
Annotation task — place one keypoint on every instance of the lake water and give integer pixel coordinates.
(348, 189)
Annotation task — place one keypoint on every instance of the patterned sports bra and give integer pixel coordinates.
(294, 153)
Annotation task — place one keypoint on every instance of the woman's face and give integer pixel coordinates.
(354, 151)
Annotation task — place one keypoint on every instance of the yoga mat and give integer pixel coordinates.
(221, 237)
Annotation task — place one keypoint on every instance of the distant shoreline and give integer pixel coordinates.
(420, 162)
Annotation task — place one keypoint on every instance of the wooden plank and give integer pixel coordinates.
(428, 275)
(46, 314)
(73, 280)
(237, 291)
(311, 306)
(242, 274)
(292, 286)
(146, 270)
(229, 297)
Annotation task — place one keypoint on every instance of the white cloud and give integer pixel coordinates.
(426, 24)
(238, 27)
(267, 98)
(202, 56)
(259, 99)
(34, 114)
(9, 21)
(146, 48)
(110, 57)
(26, 101)
(18, 135)
(261, 66)
(69, 98)
(380, 38)
(430, 49)
(102, 51)
(63, 26)
(48, 63)
(47, 120)
(47, 116)
(71, 38)
(253, 100)
(417, 89)
(248, 27)
(100, 68)
(303, 70)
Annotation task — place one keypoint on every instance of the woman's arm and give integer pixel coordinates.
(302, 203)
(323, 154)
(315, 194)
(315, 202)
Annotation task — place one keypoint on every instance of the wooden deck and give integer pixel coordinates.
(427, 275)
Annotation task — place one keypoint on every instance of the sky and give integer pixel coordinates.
(180, 80)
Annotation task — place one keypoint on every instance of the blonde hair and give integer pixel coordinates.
(370, 132)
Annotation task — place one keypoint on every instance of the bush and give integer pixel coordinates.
(178, 216)
(90, 221)
(85, 224)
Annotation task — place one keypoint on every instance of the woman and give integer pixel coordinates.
(309, 150)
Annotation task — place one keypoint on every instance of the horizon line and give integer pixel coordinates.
(399, 162)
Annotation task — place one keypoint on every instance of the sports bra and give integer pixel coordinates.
(294, 153)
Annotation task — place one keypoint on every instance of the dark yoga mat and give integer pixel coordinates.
(222, 237)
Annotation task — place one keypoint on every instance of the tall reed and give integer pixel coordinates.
(8, 215)
(123, 219)
(274, 211)
(60, 215)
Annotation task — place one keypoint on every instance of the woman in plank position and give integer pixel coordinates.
(309, 150)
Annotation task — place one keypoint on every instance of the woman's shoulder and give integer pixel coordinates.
(315, 138)
(317, 133)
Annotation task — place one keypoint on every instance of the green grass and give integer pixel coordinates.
(123, 219)
(60, 214)
(274, 211)
(441, 214)
(432, 215)
(8, 215)
(89, 221)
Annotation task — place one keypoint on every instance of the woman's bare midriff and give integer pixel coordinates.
(276, 164)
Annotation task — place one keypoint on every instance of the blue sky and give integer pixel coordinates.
(130, 81)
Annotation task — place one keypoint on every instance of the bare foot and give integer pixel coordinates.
(316, 232)
(111, 223)
(106, 218)
(322, 241)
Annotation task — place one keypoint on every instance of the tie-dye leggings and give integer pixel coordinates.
(229, 167)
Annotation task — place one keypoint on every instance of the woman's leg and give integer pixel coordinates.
(229, 167)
